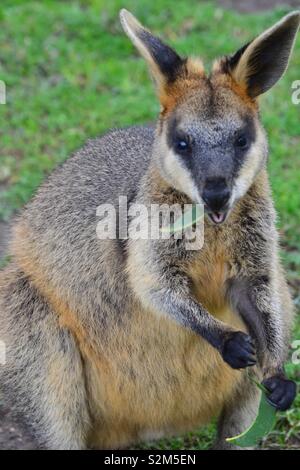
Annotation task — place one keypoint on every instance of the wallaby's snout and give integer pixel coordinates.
(216, 195)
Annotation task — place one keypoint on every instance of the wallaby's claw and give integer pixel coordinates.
(239, 350)
(282, 392)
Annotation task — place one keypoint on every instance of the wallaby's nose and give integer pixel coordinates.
(216, 194)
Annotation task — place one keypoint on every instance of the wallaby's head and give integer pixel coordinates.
(209, 142)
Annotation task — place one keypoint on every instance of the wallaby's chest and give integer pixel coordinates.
(209, 270)
(161, 376)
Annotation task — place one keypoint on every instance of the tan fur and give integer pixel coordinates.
(176, 378)
(67, 318)
(115, 395)
(209, 274)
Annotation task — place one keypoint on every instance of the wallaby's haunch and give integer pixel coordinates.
(110, 342)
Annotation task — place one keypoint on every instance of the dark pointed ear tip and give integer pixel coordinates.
(292, 18)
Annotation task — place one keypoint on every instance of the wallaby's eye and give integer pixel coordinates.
(182, 144)
(242, 142)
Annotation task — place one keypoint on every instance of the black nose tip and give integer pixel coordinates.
(216, 195)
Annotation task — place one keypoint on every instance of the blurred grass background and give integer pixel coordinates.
(71, 74)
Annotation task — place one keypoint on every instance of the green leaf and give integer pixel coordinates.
(263, 424)
(188, 219)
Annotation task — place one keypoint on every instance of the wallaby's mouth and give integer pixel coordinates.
(217, 217)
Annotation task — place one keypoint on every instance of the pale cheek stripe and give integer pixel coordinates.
(181, 177)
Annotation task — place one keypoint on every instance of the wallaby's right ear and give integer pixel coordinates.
(261, 63)
(163, 61)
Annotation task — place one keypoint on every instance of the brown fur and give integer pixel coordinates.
(190, 78)
(194, 78)
(114, 378)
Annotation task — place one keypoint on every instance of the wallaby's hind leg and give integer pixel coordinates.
(237, 415)
(43, 373)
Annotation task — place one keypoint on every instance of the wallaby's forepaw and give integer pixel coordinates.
(282, 392)
(239, 350)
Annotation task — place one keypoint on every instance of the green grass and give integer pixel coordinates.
(71, 74)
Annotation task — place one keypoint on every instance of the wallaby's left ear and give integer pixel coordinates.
(163, 61)
(262, 62)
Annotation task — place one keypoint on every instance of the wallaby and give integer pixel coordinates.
(111, 342)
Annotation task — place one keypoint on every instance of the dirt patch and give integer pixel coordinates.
(250, 6)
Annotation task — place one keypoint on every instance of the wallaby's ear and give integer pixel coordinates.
(163, 61)
(261, 63)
